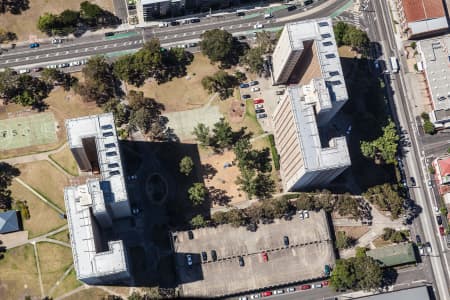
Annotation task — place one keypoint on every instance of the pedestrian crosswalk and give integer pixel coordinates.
(352, 16)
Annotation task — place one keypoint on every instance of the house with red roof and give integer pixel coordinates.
(442, 174)
(421, 18)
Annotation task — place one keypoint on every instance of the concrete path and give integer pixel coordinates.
(41, 238)
(32, 157)
(58, 282)
(36, 255)
(78, 289)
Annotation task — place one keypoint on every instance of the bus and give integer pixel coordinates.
(394, 64)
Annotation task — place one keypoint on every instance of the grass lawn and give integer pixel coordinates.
(19, 277)
(65, 160)
(91, 293)
(182, 93)
(46, 180)
(68, 284)
(25, 24)
(54, 260)
(62, 236)
(43, 218)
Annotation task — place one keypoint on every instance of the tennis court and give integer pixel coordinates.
(36, 129)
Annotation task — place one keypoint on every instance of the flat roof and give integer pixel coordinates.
(436, 61)
(418, 10)
(416, 293)
(321, 32)
(428, 25)
(394, 255)
(310, 249)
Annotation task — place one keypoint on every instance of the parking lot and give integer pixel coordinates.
(309, 249)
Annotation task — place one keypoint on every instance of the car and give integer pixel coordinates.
(163, 24)
(63, 65)
(135, 211)
(240, 14)
(255, 89)
(266, 293)
(300, 214)
(241, 261)
(305, 287)
(52, 66)
(418, 240)
(189, 259)
(23, 71)
(132, 177)
(441, 230)
(246, 96)
(242, 37)
(254, 82)
(327, 270)
(174, 23)
(260, 111)
(286, 240)
(291, 8)
(317, 285)
(305, 214)
(439, 219)
(57, 41)
(264, 256)
(34, 45)
(430, 183)
(259, 105)
(428, 248)
(182, 46)
(325, 283)
(243, 85)
(258, 100)
(190, 235)
(258, 26)
(213, 255)
(204, 256)
(109, 33)
(277, 292)
(290, 290)
(243, 298)
(349, 129)
(268, 15)
(255, 296)
(421, 251)
(261, 116)
(377, 64)
(280, 92)
(37, 69)
(194, 20)
(191, 45)
(413, 181)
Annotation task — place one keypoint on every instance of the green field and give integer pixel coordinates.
(36, 129)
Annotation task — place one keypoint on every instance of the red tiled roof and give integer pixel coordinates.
(444, 166)
(417, 10)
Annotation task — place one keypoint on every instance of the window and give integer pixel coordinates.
(108, 133)
(330, 55)
(326, 35)
(107, 126)
(327, 43)
(110, 145)
(112, 173)
(113, 165)
(334, 73)
(323, 24)
(111, 153)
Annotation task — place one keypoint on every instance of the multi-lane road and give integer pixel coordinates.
(83, 47)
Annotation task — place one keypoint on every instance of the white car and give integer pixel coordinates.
(317, 285)
(23, 71)
(255, 296)
(52, 66)
(278, 292)
(305, 214)
(290, 290)
(300, 214)
(57, 41)
(259, 106)
(75, 63)
(189, 259)
(164, 24)
(255, 89)
(243, 298)
(258, 26)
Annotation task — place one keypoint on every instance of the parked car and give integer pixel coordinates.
(377, 64)
(189, 259)
(204, 256)
(260, 111)
(57, 41)
(174, 23)
(63, 65)
(305, 287)
(268, 15)
(34, 45)
(191, 45)
(349, 130)
(213, 255)
(241, 261)
(242, 37)
(441, 230)
(266, 293)
(327, 270)
(255, 296)
(428, 248)
(243, 85)
(413, 181)
(261, 116)
(246, 96)
(109, 33)
(317, 285)
(291, 8)
(240, 14)
(280, 92)
(37, 69)
(258, 26)
(421, 251)
(300, 214)
(290, 290)
(430, 183)
(243, 298)
(418, 240)
(278, 292)
(254, 82)
(163, 24)
(325, 283)
(305, 214)
(23, 71)
(259, 106)
(190, 235)
(286, 240)
(439, 219)
(255, 89)
(264, 256)
(258, 100)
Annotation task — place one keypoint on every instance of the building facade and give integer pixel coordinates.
(421, 18)
(307, 161)
(93, 207)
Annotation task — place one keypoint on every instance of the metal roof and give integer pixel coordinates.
(416, 293)
(8, 221)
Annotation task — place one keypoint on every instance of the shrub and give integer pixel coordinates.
(275, 155)
(23, 208)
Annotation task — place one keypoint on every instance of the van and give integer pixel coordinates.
(163, 24)
(268, 15)
(23, 71)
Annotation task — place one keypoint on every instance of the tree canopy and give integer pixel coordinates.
(186, 165)
(220, 46)
(387, 198)
(350, 35)
(7, 36)
(220, 82)
(7, 173)
(15, 7)
(356, 273)
(197, 193)
(384, 147)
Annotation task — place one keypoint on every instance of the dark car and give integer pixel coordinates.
(243, 85)
(242, 37)
(240, 13)
(193, 45)
(204, 256)
(241, 261)
(174, 23)
(286, 240)
(34, 45)
(190, 235)
(195, 20)
(291, 8)
(109, 33)
(260, 111)
(213, 255)
(439, 220)
(418, 240)
(413, 181)
(246, 96)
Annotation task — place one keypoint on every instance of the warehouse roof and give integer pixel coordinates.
(417, 293)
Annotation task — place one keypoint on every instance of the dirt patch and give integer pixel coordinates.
(353, 231)
(380, 243)
(183, 93)
(236, 113)
(25, 24)
(220, 178)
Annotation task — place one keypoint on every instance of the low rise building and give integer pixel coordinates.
(9, 222)
(435, 60)
(395, 255)
(414, 293)
(93, 207)
(441, 167)
(307, 50)
(421, 18)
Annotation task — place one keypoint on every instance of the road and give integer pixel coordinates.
(84, 47)
(380, 28)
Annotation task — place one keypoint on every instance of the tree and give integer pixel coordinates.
(217, 44)
(197, 193)
(90, 12)
(343, 276)
(264, 186)
(356, 38)
(360, 251)
(201, 132)
(253, 58)
(362, 272)
(198, 221)
(246, 181)
(339, 32)
(236, 217)
(429, 127)
(7, 173)
(387, 198)
(223, 134)
(186, 165)
(14, 7)
(384, 147)
(343, 241)
(265, 42)
(47, 23)
(348, 206)
(7, 36)
(220, 217)
(220, 82)
(120, 111)
(240, 77)
(57, 77)
(395, 236)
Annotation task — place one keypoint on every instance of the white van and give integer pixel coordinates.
(268, 15)
(23, 71)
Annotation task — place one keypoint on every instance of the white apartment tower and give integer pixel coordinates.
(307, 107)
(93, 206)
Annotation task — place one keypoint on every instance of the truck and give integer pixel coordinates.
(394, 64)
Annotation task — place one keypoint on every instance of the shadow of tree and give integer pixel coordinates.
(208, 171)
(15, 7)
(218, 196)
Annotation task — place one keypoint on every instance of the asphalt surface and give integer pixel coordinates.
(121, 10)
(380, 29)
(84, 47)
